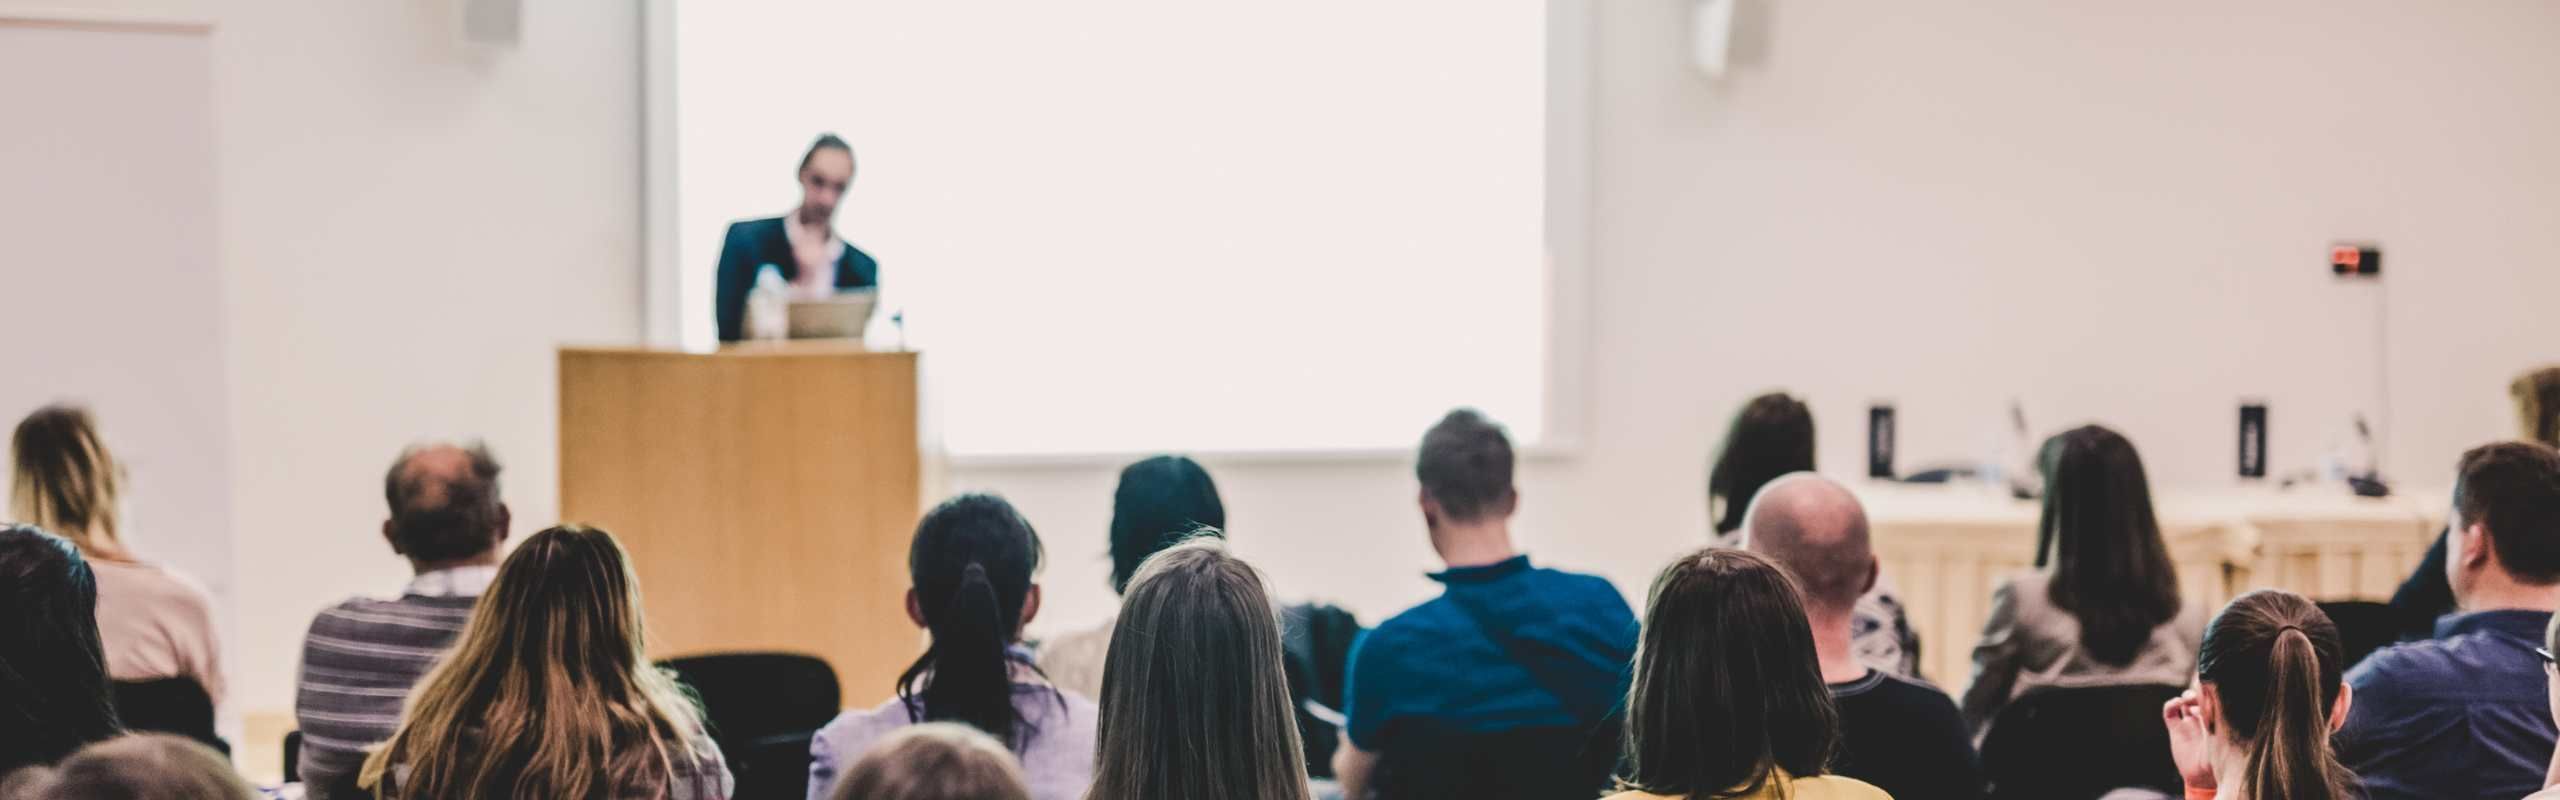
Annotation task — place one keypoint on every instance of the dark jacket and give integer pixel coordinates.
(753, 243)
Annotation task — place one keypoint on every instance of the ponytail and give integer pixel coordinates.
(2290, 757)
(2274, 660)
(967, 673)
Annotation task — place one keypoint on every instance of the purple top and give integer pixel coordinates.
(1057, 760)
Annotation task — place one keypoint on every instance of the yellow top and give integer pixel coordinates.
(1780, 787)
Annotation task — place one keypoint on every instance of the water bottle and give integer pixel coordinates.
(769, 306)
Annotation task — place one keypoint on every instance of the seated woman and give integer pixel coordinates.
(549, 692)
(54, 697)
(935, 761)
(971, 564)
(1772, 437)
(2269, 694)
(2102, 607)
(150, 766)
(154, 623)
(1728, 699)
(1194, 704)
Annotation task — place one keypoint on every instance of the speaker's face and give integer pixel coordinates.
(823, 183)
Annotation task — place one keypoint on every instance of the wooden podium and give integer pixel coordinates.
(766, 495)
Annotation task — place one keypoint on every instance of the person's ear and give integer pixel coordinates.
(2209, 706)
(506, 523)
(915, 610)
(1875, 572)
(390, 533)
(1030, 610)
(2338, 710)
(2472, 544)
(1430, 508)
(1510, 502)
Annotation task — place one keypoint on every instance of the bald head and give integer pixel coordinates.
(1816, 529)
(444, 504)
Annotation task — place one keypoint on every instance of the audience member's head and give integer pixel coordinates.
(1465, 470)
(971, 563)
(54, 694)
(445, 508)
(935, 761)
(2271, 694)
(2506, 521)
(148, 766)
(1161, 502)
(1771, 436)
(2537, 396)
(1195, 669)
(66, 481)
(1817, 530)
(1727, 688)
(826, 171)
(549, 691)
(2101, 541)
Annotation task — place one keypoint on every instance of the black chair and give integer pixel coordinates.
(1315, 649)
(2079, 744)
(762, 709)
(1432, 762)
(169, 705)
(2363, 626)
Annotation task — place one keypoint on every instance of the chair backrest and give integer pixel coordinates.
(169, 705)
(762, 709)
(2363, 626)
(748, 696)
(1431, 762)
(2080, 744)
(1315, 645)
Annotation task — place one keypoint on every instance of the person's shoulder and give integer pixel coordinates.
(2397, 665)
(1835, 787)
(159, 583)
(1912, 692)
(855, 728)
(749, 230)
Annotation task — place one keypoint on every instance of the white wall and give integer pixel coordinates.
(409, 225)
(2113, 213)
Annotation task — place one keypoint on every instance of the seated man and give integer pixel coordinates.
(363, 656)
(2464, 714)
(1904, 737)
(1506, 646)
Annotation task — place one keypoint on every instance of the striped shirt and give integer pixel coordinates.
(359, 662)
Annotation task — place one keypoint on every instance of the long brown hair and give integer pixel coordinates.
(1194, 703)
(1728, 690)
(2275, 661)
(1771, 436)
(2101, 539)
(934, 761)
(548, 692)
(66, 481)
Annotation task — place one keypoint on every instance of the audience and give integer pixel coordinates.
(971, 564)
(363, 655)
(1772, 436)
(1728, 699)
(2268, 695)
(54, 696)
(1506, 645)
(1194, 704)
(153, 622)
(2426, 596)
(1160, 502)
(549, 693)
(2102, 607)
(934, 761)
(1904, 737)
(148, 766)
(2465, 713)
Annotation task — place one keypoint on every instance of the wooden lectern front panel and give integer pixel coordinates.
(766, 497)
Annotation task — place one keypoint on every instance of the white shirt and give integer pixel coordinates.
(816, 248)
(471, 581)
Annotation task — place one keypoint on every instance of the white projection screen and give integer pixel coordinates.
(1139, 225)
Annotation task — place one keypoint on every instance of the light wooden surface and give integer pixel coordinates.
(766, 496)
(1944, 548)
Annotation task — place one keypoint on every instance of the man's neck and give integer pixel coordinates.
(2500, 593)
(1474, 544)
(1832, 645)
(488, 559)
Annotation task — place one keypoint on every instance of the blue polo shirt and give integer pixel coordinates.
(1504, 646)
(2465, 714)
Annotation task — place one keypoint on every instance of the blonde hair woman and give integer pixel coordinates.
(153, 622)
(549, 693)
